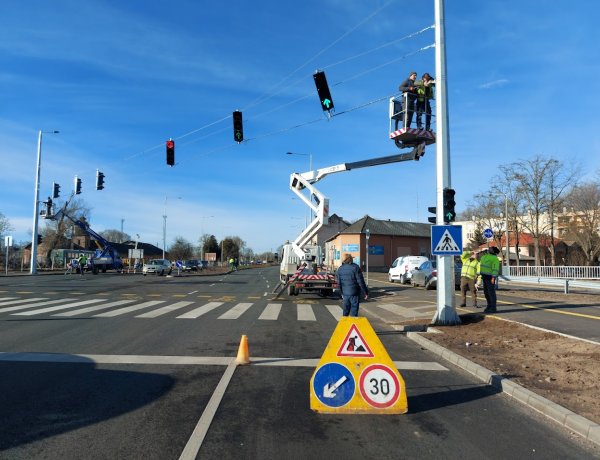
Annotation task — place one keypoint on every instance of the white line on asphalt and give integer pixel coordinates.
(15, 302)
(236, 312)
(195, 442)
(271, 311)
(201, 310)
(122, 311)
(104, 306)
(335, 310)
(59, 307)
(193, 292)
(35, 304)
(305, 312)
(164, 310)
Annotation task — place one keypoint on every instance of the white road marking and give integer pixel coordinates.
(35, 304)
(335, 310)
(59, 307)
(236, 311)
(104, 306)
(271, 311)
(201, 310)
(305, 312)
(16, 302)
(122, 311)
(164, 310)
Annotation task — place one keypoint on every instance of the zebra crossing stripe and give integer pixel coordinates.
(305, 312)
(17, 302)
(200, 310)
(271, 311)
(122, 311)
(33, 305)
(164, 310)
(7, 298)
(403, 311)
(59, 307)
(104, 306)
(335, 310)
(236, 312)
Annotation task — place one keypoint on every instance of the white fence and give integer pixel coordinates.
(566, 272)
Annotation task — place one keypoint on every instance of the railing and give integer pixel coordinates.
(567, 272)
(397, 109)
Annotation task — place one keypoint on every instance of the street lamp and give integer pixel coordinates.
(367, 236)
(202, 235)
(36, 204)
(165, 226)
(507, 261)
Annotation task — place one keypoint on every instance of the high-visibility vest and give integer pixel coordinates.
(470, 268)
(489, 265)
(424, 92)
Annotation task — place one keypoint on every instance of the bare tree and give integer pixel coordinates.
(584, 203)
(181, 249)
(4, 225)
(115, 236)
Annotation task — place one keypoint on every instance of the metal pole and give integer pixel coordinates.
(506, 236)
(368, 234)
(164, 228)
(446, 311)
(36, 208)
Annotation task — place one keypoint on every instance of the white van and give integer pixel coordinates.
(402, 266)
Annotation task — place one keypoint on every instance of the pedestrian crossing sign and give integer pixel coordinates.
(446, 240)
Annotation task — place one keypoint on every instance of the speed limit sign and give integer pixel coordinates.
(379, 386)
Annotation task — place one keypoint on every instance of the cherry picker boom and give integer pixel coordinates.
(300, 254)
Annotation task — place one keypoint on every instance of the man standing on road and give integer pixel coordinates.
(468, 276)
(351, 282)
(489, 266)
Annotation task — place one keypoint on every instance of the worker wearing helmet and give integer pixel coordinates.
(489, 266)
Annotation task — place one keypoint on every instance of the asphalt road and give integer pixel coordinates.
(125, 366)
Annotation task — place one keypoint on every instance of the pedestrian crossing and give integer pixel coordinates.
(102, 307)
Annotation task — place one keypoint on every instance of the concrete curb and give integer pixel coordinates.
(574, 422)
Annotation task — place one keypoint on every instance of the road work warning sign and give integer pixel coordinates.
(356, 375)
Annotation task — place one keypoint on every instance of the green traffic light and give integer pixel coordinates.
(326, 103)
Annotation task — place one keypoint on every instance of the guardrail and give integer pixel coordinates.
(562, 271)
(566, 283)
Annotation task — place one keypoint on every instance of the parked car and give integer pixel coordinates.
(192, 265)
(401, 268)
(426, 275)
(158, 266)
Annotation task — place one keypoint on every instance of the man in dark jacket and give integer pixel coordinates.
(351, 282)
(409, 90)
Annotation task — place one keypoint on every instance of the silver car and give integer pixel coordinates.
(426, 275)
(158, 266)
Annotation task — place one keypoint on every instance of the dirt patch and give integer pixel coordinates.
(558, 368)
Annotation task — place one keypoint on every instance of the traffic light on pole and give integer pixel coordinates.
(39, 239)
(48, 208)
(433, 210)
(55, 190)
(77, 184)
(238, 127)
(170, 152)
(323, 90)
(449, 203)
(99, 180)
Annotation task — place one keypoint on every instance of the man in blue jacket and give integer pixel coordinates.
(351, 282)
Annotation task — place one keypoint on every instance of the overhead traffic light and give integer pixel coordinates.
(77, 184)
(238, 127)
(449, 203)
(170, 152)
(323, 90)
(39, 241)
(433, 210)
(48, 208)
(55, 190)
(99, 180)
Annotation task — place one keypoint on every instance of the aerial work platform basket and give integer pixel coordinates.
(404, 136)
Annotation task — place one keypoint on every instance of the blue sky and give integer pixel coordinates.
(120, 78)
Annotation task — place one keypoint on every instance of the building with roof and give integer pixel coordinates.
(387, 240)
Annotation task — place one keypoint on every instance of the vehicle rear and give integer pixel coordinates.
(403, 266)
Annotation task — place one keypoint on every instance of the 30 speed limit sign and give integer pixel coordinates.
(379, 386)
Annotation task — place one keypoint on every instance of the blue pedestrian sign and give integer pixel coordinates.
(446, 240)
(334, 385)
(488, 233)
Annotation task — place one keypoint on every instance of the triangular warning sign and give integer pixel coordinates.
(354, 344)
(447, 243)
(356, 375)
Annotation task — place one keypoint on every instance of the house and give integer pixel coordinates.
(387, 240)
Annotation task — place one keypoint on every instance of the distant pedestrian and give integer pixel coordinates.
(489, 266)
(82, 262)
(351, 282)
(409, 91)
(468, 276)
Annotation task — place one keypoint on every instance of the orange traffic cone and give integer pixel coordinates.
(243, 356)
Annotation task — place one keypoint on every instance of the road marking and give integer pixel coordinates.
(551, 310)
(81, 311)
(14, 302)
(193, 292)
(59, 307)
(32, 305)
(335, 310)
(236, 312)
(305, 312)
(164, 310)
(122, 311)
(8, 298)
(201, 310)
(271, 311)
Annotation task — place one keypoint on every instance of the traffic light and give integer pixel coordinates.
(238, 127)
(55, 190)
(77, 184)
(49, 208)
(323, 90)
(449, 203)
(39, 239)
(170, 152)
(433, 210)
(99, 180)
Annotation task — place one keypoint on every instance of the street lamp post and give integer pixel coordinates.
(165, 226)
(367, 236)
(36, 204)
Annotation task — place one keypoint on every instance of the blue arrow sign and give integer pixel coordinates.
(334, 384)
(446, 240)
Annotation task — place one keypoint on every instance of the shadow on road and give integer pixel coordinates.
(448, 397)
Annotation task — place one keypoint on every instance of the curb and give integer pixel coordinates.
(561, 415)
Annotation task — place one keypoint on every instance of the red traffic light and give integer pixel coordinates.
(170, 152)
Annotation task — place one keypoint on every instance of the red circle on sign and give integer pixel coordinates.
(381, 397)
